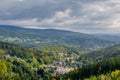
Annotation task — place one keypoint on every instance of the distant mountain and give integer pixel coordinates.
(114, 37)
(50, 37)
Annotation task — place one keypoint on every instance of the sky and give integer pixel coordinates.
(86, 16)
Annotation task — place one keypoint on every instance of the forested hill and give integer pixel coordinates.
(22, 63)
(98, 65)
(94, 70)
(17, 61)
(99, 55)
(112, 37)
(15, 50)
(50, 37)
(27, 63)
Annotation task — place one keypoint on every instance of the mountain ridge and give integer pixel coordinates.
(50, 37)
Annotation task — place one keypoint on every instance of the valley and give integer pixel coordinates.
(59, 39)
(54, 54)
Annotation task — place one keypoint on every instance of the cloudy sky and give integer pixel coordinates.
(87, 16)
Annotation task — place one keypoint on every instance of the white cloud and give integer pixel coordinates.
(90, 16)
(58, 18)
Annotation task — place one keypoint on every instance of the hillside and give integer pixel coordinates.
(103, 67)
(99, 55)
(24, 62)
(18, 61)
(114, 75)
(111, 37)
(50, 37)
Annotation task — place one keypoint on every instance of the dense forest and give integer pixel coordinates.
(96, 70)
(20, 63)
(99, 55)
(114, 75)
(30, 63)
